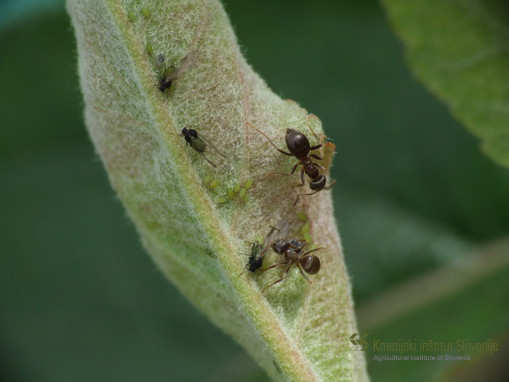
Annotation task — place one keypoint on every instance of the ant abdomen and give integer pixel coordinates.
(311, 264)
(318, 184)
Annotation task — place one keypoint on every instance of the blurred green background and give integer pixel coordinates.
(81, 301)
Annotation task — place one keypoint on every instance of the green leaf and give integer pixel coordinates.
(296, 331)
(458, 49)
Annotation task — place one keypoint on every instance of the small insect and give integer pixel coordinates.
(169, 75)
(198, 143)
(291, 250)
(300, 148)
(258, 249)
(255, 261)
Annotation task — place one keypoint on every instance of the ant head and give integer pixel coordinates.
(280, 246)
(297, 244)
(318, 184)
(310, 263)
(297, 143)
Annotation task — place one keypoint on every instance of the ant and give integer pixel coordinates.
(172, 73)
(291, 250)
(198, 143)
(300, 148)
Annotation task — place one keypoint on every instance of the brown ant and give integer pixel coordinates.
(291, 250)
(300, 148)
(198, 143)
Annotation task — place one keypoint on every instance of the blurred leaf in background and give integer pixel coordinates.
(462, 57)
(80, 301)
(16, 11)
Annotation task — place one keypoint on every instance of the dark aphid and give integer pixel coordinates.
(300, 148)
(198, 143)
(258, 249)
(291, 250)
(255, 261)
(169, 75)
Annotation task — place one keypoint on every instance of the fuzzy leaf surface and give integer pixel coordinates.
(296, 331)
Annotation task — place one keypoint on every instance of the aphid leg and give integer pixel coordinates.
(270, 141)
(279, 280)
(243, 270)
(208, 160)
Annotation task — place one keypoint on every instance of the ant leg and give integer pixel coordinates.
(277, 281)
(312, 250)
(330, 186)
(295, 168)
(304, 242)
(302, 273)
(302, 180)
(272, 143)
(284, 173)
(316, 156)
(273, 266)
(298, 196)
(318, 165)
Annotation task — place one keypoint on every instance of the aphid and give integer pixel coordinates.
(169, 75)
(300, 148)
(145, 11)
(258, 249)
(255, 261)
(291, 250)
(198, 143)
